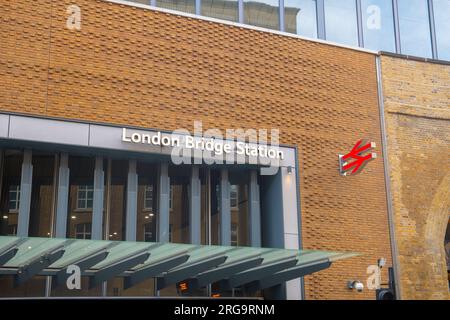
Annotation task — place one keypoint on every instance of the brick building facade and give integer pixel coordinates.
(417, 100)
(152, 69)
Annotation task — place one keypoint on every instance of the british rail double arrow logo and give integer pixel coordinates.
(354, 161)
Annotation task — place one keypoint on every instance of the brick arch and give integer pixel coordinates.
(435, 230)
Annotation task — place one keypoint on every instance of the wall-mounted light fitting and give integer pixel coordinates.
(381, 262)
(355, 284)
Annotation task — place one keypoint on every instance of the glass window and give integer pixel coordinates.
(147, 210)
(80, 182)
(221, 9)
(170, 197)
(239, 208)
(179, 208)
(340, 21)
(262, 13)
(204, 206)
(83, 231)
(234, 196)
(378, 25)
(85, 197)
(414, 24)
(117, 195)
(179, 5)
(179, 221)
(14, 198)
(442, 23)
(234, 234)
(214, 194)
(10, 172)
(42, 195)
(148, 197)
(149, 233)
(300, 17)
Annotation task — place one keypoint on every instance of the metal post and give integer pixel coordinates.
(48, 282)
(281, 15)
(194, 207)
(63, 196)
(254, 210)
(198, 5)
(398, 47)
(225, 209)
(97, 210)
(25, 194)
(387, 181)
(55, 194)
(163, 203)
(432, 29)
(360, 23)
(241, 11)
(321, 33)
(131, 215)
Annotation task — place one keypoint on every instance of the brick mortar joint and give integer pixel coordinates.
(417, 111)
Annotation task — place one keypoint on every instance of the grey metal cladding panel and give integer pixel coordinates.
(45, 130)
(289, 157)
(4, 125)
(111, 138)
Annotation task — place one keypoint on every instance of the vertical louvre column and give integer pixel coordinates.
(360, 23)
(241, 11)
(321, 33)
(63, 196)
(1, 171)
(281, 15)
(198, 4)
(432, 29)
(194, 207)
(163, 202)
(254, 210)
(132, 188)
(398, 48)
(97, 210)
(25, 194)
(224, 209)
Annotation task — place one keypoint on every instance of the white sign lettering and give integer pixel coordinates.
(216, 146)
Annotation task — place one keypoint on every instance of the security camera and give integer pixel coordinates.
(357, 285)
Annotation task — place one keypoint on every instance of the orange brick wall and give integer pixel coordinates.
(145, 68)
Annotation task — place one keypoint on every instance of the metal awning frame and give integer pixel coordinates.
(100, 260)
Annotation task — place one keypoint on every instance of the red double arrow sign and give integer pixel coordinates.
(350, 168)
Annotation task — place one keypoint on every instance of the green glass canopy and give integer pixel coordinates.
(248, 267)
